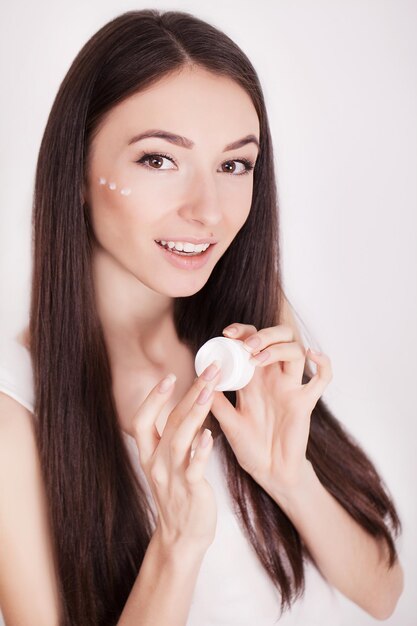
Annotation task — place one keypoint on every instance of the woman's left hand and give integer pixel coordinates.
(269, 428)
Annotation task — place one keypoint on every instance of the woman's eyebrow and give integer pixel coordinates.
(183, 142)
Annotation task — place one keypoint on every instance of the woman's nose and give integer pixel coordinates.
(202, 201)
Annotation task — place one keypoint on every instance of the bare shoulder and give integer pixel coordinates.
(13, 414)
(24, 337)
(288, 318)
(28, 592)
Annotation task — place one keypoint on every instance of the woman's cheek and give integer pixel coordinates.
(112, 184)
(142, 191)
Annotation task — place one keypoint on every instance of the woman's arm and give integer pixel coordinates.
(164, 588)
(348, 557)
(28, 590)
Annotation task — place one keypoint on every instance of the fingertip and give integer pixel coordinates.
(205, 438)
(232, 331)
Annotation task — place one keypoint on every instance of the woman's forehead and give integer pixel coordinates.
(193, 103)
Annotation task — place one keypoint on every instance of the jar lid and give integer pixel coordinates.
(236, 369)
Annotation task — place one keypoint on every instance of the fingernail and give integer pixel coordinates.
(210, 372)
(167, 382)
(205, 438)
(230, 331)
(314, 352)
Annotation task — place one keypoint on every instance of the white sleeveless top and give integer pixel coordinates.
(232, 587)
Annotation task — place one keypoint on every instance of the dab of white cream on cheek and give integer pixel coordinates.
(125, 191)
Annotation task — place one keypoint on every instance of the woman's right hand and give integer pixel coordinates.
(185, 501)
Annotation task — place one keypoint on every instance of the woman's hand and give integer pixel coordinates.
(185, 501)
(269, 428)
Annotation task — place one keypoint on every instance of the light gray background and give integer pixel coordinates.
(340, 84)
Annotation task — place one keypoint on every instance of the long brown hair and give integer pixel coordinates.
(99, 514)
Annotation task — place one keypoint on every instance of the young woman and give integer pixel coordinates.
(159, 139)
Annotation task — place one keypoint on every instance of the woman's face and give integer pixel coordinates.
(198, 190)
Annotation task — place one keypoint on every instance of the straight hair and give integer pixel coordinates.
(100, 519)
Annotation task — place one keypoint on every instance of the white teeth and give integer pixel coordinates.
(182, 246)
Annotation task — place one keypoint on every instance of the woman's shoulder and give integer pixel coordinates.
(23, 337)
(16, 376)
(25, 531)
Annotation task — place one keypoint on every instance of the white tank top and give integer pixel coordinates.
(232, 587)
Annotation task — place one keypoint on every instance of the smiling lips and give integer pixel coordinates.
(184, 260)
(188, 239)
(181, 248)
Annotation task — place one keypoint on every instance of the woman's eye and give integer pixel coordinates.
(154, 162)
(247, 166)
(154, 159)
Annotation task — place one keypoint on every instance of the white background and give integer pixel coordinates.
(340, 83)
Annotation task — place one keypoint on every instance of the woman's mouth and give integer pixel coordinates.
(186, 260)
(182, 252)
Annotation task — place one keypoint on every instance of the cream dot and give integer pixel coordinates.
(112, 186)
(125, 192)
(102, 181)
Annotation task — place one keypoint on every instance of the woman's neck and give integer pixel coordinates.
(137, 322)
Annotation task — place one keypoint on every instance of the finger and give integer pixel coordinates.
(268, 336)
(181, 441)
(316, 386)
(183, 407)
(239, 331)
(195, 470)
(291, 356)
(143, 425)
